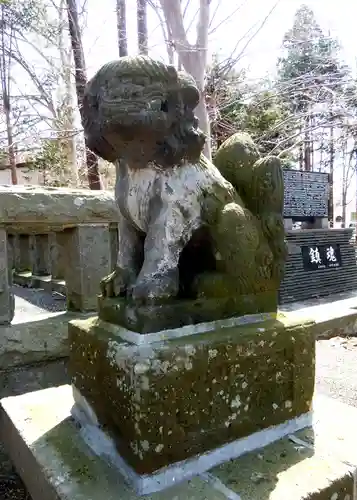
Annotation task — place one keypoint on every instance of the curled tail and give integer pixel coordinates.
(259, 181)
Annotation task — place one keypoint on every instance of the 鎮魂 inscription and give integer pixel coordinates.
(321, 257)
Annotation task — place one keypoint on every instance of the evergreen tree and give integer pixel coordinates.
(310, 73)
(239, 106)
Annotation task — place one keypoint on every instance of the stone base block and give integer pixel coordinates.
(155, 317)
(163, 401)
(35, 338)
(55, 463)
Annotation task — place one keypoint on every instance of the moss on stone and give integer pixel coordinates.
(167, 401)
(212, 304)
(247, 231)
(79, 466)
(235, 159)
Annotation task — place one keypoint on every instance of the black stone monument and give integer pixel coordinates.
(321, 261)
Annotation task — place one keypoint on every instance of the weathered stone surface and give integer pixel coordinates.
(41, 208)
(335, 316)
(34, 339)
(7, 301)
(11, 250)
(56, 464)
(89, 254)
(58, 256)
(152, 318)
(25, 259)
(169, 400)
(186, 231)
(42, 262)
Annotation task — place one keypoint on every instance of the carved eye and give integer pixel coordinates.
(164, 106)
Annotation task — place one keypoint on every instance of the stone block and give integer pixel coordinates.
(42, 261)
(288, 224)
(58, 255)
(11, 250)
(56, 464)
(25, 261)
(181, 392)
(88, 261)
(35, 338)
(51, 454)
(41, 209)
(150, 318)
(114, 241)
(7, 300)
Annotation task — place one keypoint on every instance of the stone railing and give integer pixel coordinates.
(56, 239)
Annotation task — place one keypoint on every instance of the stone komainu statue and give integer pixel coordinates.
(189, 229)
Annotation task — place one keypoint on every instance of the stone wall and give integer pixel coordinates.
(302, 284)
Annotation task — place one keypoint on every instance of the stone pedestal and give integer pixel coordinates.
(166, 396)
(151, 318)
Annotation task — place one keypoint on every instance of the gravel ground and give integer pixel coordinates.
(36, 301)
(336, 376)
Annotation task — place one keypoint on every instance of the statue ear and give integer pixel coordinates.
(189, 90)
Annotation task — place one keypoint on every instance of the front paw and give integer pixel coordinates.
(115, 284)
(159, 288)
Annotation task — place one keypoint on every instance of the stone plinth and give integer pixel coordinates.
(167, 396)
(156, 317)
(55, 462)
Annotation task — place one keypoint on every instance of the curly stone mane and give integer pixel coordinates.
(138, 97)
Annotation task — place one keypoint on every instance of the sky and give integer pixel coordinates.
(233, 25)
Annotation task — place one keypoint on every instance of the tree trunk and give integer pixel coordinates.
(345, 181)
(94, 180)
(121, 28)
(307, 145)
(344, 203)
(5, 76)
(355, 220)
(10, 140)
(301, 151)
(332, 162)
(192, 57)
(67, 122)
(142, 27)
